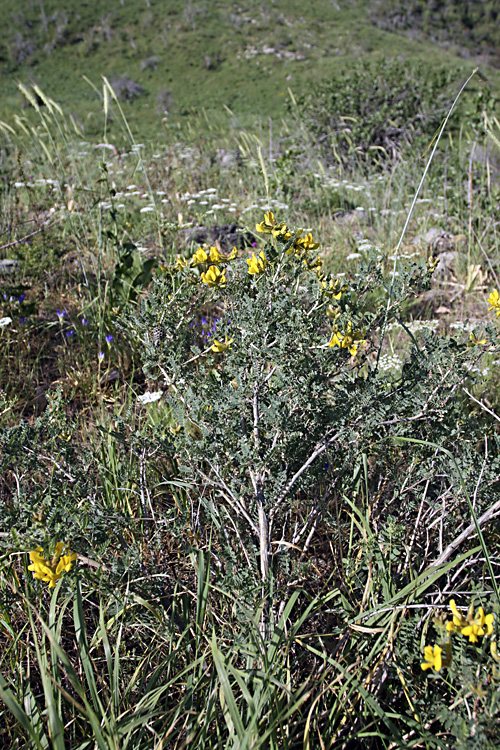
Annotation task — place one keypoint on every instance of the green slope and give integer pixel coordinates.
(187, 56)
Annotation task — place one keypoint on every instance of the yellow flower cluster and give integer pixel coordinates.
(349, 340)
(257, 264)
(473, 341)
(212, 255)
(51, 570)
(472, 627)
(271, 226)
(433, 658)
(332, 289)
(494, 302)
(214, 276)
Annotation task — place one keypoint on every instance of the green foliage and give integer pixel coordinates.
(131, 274)
(375, 109)
(471, 25)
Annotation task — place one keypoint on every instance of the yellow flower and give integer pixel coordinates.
(217, 257)
(480, 625)
(180, 263)
(218, 347)
(331, 289)
(266, 226)
(432, 656)
(473, 341)
(349, 340)
(306, 243)
(200, 256)
(494, 651)
(314, 265)
(471, 627)
(257, 265)
(214, 276)
(51, 570)
(270, 226)
(458, 621)
(494, 302)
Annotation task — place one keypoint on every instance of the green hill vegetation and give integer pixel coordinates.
(249, 347)
(180, 57)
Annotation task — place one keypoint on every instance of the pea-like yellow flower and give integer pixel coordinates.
(458, 622)
(51, 570)
(306, 243)
(218, 346)
(331, 289)
(480, 625)
(180, 263)
(349, 340)
(473, 341)
(433, 659)
(494, 651)
(271, 226)
(214, 276)
(494, 302)
(200, 256)
(314, 264)
(471, 627)
(257, 265)
(266, 226)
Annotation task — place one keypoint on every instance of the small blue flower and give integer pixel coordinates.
(22, 320)
(85, 322)
(100, 355)
(21, 298)
(109, 338)
(70, 334)
(61, 314)
(204, 321)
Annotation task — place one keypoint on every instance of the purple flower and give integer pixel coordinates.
(109, 338)
(254, 244)
(61, 314)
(100, 355)
(70, 334)
(21, 298)
(84, 321)
(21, 320)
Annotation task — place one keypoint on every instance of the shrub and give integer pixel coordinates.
(375, 109)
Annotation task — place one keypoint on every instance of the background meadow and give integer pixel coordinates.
(280, 478)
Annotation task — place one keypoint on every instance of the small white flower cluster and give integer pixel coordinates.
(414, 326)
(465, 325)
(389, 362)
(150, 397)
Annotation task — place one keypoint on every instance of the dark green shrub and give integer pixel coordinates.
(372, 111)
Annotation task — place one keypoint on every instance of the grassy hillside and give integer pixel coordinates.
(182, 56)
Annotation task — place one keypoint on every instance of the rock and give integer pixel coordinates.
(9, 265)
(226, 236)
(439, 241)
(228, 158)
(445, 265)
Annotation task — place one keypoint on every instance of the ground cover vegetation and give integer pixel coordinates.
(249, 452)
